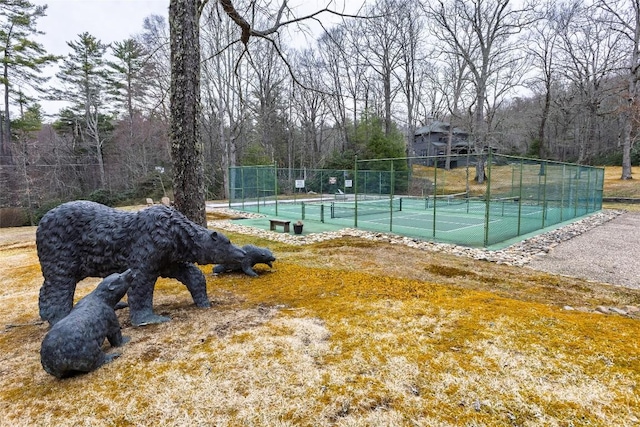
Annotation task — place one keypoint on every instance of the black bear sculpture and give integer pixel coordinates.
(74, 344)
(86, 239)
(253, 255)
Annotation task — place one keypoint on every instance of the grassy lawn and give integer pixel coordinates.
(615, 187)
(346, 332)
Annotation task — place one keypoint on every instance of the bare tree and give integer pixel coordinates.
(184, 16)
(484, 33)
(224, 89)
(344, 71)
(155, 40)
(267, 87)
(589, 54)
(412, 74)
(312, 108)
(624, 17)
(542, 48)
(454, 85)
(382, 47)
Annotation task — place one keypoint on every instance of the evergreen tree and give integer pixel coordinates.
(22, 59)
(85, 81)
(128, 76)
(28, 122)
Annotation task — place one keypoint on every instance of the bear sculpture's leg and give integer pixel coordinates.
(56, 298)
(140, 298)
(193, 278)
(116, 339)
(247, 267)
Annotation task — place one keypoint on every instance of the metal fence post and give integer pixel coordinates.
(355, 192)
(487, 199)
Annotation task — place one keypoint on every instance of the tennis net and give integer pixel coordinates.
(423, 203)
(365, 207)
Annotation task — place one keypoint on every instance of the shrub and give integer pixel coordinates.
(104, 196)
(13, 217)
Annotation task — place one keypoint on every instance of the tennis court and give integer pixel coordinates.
(519, 197)
(447, 219)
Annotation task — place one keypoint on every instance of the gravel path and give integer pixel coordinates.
(609, 253)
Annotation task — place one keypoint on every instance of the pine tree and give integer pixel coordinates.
(128, 76)
(22, 59)
(85, 81)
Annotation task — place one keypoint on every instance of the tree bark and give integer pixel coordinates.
(628, 118)
(633, 77)
(187, 150)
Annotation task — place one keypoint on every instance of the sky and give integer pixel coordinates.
(117, 20)
(107, 20)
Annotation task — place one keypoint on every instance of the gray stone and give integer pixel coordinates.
(86, 239)
(618, 311)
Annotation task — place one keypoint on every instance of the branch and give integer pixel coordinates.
(248, 31)
(231, 11)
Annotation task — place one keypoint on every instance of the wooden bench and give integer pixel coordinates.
(274, 222)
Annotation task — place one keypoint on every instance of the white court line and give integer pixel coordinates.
(462, 226)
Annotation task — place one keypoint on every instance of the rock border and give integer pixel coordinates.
(518, 254)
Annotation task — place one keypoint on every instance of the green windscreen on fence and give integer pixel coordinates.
(417, 197)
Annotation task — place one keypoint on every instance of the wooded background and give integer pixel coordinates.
(554, 80)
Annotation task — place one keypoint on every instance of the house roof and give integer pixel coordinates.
(438, 127)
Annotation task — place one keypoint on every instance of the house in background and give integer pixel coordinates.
(431, 140)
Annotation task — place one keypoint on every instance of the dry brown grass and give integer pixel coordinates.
(340, 333)
(616, 187)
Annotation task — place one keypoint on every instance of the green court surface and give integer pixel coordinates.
(457, 223)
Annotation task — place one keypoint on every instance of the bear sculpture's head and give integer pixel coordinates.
(114, 287)
(259, 255)
(217, 249)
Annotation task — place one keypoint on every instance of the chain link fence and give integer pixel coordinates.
(481, 201)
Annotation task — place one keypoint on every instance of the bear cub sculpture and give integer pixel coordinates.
(253, 255)
(74, 344)
(86, 239)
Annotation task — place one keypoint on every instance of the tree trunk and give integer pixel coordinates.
(631, 96)
(187, 150)
(447, 162)
(93, 132)
(5, 134)
(7, 118)
(546, 108)
(627, 129)
(480, 130)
